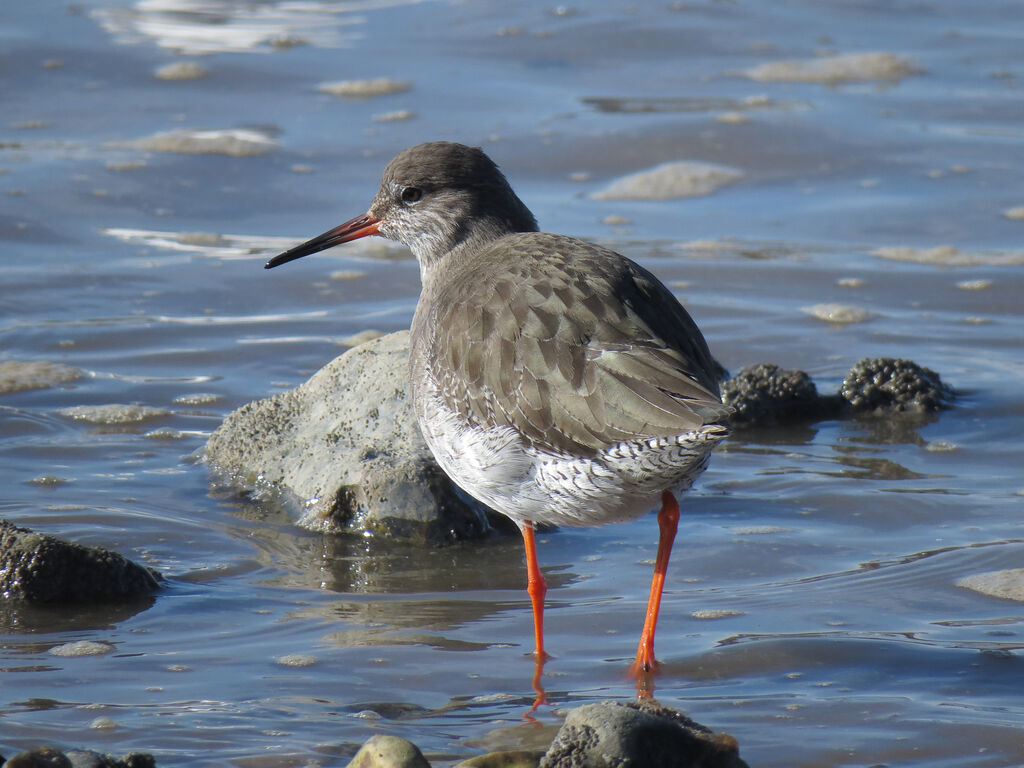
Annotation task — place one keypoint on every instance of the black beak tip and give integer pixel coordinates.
(282, 258)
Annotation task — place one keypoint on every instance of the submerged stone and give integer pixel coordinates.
(1008, 584)
(19, 376)
(237, 142)
(669, 181)
(836, 69)
(113, 414)
(951, 256)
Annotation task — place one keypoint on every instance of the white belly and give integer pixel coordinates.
(618, 483)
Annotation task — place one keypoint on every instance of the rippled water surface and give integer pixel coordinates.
(812, 608)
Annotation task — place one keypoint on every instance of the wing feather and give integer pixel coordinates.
(574, 346)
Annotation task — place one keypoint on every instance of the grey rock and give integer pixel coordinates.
(891, 384)
(383, 751)
(638, 734)
(45, 569)
(346, 445)
(767, 394)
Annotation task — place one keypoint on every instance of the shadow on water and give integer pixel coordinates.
(18, 618)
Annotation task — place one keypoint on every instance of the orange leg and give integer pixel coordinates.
(536, 588)
(668, 521)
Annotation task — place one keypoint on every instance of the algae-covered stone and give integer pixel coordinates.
(638, 734)
(767, 394)
(44, 569)
(892, 384)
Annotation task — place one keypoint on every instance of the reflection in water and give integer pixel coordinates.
(19, 618)
(893, 429)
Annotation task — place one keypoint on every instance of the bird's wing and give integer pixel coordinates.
(574, 346)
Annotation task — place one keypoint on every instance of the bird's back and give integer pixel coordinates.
(571, 345)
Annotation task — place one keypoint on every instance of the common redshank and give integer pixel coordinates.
(554, 380)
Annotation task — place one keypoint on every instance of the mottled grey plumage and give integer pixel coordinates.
(570, 344)
(542, 366)
(553, 379)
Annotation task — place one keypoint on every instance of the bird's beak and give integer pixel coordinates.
(360, 226)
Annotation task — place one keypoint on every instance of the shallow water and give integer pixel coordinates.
(812, 608)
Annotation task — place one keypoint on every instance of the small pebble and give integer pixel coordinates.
(714, 613)
(974, 285)
(81, 648)
(616, 221)
(347, 274)
(840, 314)
(164, 433)
(199, 398)
(297, 660)
(758, 530)
(182, 70)
(364, 88)
(48, 481)
(394, 117)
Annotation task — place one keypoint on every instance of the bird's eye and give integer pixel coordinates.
(412, 194)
